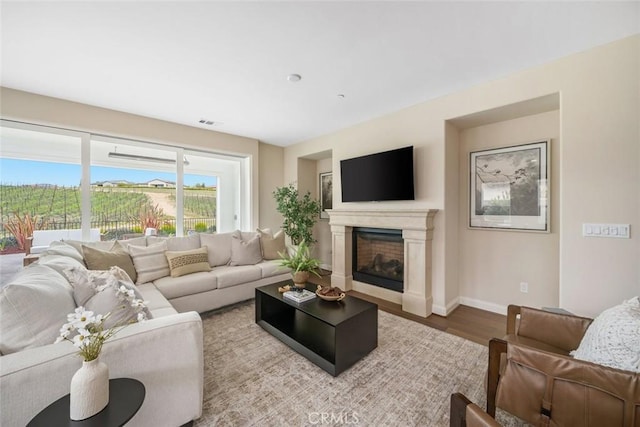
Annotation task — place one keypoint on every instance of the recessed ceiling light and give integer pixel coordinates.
(294, 78)
(341, 95)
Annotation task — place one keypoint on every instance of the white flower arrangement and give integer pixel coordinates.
(91, 334)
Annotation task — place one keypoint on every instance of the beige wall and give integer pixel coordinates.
(452, 206)
(271, 175)
(599, 173)
(42, 110)
(492, 263)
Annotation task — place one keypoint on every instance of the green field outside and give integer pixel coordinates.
(112, 208)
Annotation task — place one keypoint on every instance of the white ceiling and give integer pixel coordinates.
(228, 61)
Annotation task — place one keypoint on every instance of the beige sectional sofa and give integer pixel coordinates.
(238, 263)
(164, 353)
(226, 283)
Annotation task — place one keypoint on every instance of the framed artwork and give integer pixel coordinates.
(326, 193)
(509, 188)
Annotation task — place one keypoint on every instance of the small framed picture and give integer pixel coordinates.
(509, 188)
(326, 193)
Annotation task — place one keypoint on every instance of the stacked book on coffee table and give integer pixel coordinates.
(297, 296)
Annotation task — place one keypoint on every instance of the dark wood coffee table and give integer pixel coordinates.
(333, 335)
(125, 398)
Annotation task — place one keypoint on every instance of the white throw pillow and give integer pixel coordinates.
(218, 247)
(150, 261)
(136, 241)
(185, 243)
(61, 248)
(109, 300)
(86, 283)
(60, 263)
(245, 252)
(33, 307)
(613, 338)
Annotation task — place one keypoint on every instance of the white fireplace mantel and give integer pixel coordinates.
(417, 232)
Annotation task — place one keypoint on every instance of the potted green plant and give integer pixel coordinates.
(300, 213)
(301, 264)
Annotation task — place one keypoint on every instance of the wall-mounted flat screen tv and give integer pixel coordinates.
(381, 176)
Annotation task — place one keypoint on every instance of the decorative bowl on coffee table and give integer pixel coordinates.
(338, 297)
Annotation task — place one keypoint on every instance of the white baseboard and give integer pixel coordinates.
(442, 310)
(483, 305)
(326, 267)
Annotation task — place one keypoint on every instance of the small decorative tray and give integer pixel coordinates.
(330, 297)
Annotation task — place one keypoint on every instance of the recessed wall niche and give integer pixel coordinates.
(308, 177)
(484, 268)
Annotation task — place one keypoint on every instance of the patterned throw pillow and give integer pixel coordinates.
(187, 262)
(613, 338)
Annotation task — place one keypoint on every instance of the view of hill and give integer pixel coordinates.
(113, 208)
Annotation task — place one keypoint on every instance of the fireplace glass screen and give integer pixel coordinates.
(378, 257)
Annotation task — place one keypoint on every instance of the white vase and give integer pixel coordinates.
(89, 390)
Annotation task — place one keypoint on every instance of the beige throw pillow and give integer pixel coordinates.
(245, 252)
(103, 246)
(272, 244)
(187, 262)
(97, 259)
(150, 261)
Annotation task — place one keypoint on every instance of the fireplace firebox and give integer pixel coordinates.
(378, 257)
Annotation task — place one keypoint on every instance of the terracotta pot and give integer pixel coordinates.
(300, 278)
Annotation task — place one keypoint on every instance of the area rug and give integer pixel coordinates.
(253, 379)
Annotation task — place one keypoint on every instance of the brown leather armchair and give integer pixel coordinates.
(464, 413)
(532, 376)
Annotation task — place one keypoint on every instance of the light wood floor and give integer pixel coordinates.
(466, 322)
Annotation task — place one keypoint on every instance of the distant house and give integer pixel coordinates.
(112, 183)
(159, 183)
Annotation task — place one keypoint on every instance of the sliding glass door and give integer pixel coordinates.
(66, 179)
(133, 188)
(40, 179)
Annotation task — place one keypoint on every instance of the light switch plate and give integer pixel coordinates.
(615, 231)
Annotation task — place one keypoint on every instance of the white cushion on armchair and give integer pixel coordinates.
(613, 338)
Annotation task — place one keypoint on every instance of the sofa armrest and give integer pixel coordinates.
(564, 331)
(165, 354)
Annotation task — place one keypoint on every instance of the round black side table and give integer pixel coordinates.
(125, 398)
